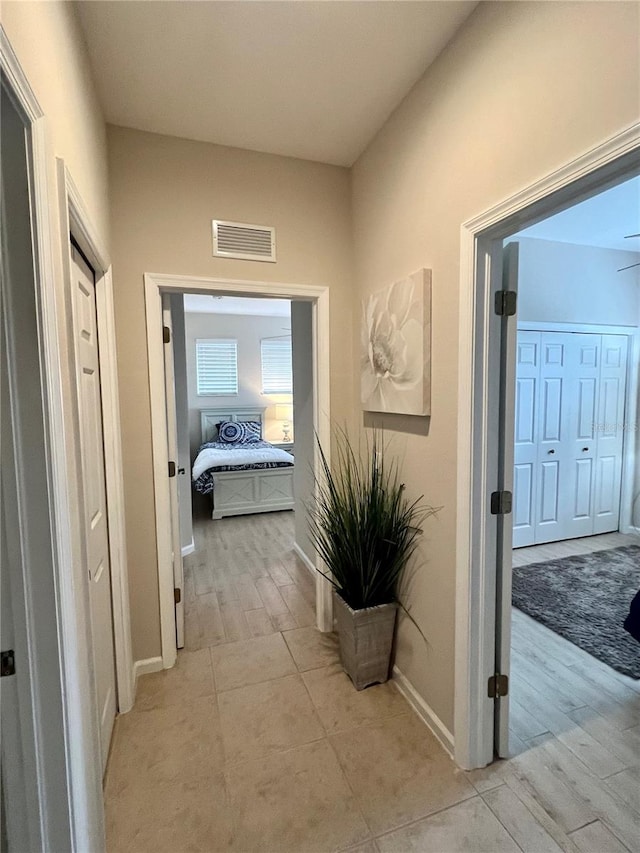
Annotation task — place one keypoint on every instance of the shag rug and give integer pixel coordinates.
(586, 599)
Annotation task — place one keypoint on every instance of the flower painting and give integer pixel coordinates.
(396, 347)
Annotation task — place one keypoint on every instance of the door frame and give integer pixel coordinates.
(73, 794)
(479, 423)
(155, 284)
(76, 222)
(632, 333)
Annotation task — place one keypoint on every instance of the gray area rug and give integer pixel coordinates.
(586, 599)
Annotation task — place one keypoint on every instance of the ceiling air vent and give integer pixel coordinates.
(247, 242)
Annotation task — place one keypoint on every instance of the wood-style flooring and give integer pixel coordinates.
(256, 741)
(244, 580)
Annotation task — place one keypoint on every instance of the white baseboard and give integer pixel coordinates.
(300, 553)
(189, 549)
(635, 531)
(143, 667)
(423, 710)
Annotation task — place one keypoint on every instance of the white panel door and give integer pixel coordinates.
(552, 437)
(526, 438)
(610, 433)
(582, 382)
(95, 501)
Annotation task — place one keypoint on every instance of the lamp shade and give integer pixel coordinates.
(284, 411)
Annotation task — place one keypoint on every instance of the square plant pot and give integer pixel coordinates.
(366, 640)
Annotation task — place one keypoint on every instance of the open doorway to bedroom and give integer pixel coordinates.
(243, 379)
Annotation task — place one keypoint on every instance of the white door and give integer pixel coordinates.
(610, 433)
(525, 467)
(95, 500)
(172, 451)
(568, 435)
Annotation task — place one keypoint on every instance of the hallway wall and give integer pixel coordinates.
(165, 192)
(519, 92)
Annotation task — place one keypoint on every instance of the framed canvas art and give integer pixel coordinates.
(396, 347)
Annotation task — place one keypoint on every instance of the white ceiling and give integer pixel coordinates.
(604, 220)
(302, 78)
(198, 303)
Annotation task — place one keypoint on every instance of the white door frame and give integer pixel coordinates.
(76, 221)
(155, 285)
(632, 333)
(478, 422)
(81, 779)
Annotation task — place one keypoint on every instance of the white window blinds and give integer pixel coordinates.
(217, 366)
(276, 366)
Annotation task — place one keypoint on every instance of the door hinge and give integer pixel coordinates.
(166, 335)
(506, 302)
(172, 468)
(498, 686)
(8, 664)
(177, 595)
(501, 503)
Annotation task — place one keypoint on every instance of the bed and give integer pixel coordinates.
(243, 477)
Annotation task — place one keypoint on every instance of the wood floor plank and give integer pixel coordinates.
(596, 838)
(278, 574)
(298, 605)
(625, 744)
(601, 801)
(235, 623)
(212, 629)
(272, 600)
(248, 595)
(259, 622)
(519, 822)
(626, 785)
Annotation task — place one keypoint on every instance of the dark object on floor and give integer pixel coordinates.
(632, 622)
(585, 600)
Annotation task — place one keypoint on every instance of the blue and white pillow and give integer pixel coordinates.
(239, 432)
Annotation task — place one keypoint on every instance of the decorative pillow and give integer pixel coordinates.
(239, 432)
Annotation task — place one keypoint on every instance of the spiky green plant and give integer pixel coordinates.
(362, 524)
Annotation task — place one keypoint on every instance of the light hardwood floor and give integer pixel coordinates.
(257, 741)
(245, 580)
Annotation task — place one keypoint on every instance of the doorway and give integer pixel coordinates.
(486, 440)
(168, 536)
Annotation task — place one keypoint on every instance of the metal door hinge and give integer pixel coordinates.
(501, 503)
(498, 686)
(506, 302)
(177, 595)
(8, 664)
(172, 468)
(166, 335)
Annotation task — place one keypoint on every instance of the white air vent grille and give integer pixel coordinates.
(247, 242)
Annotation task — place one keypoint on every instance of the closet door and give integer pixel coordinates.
(526, 438)
(581, 391)
(553, 445)
(610, 433)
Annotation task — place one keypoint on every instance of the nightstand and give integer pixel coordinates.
(284, 445)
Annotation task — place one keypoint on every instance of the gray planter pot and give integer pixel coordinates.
(366, 639)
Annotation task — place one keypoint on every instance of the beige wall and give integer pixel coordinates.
(164, 193)
(49, 44)
(524, 88)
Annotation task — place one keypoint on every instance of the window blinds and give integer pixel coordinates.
(276, 366)
(217, 367)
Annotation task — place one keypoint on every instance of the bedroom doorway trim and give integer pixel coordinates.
(155, 285)
(479, 613)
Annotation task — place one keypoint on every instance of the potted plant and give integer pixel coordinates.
(365, 529)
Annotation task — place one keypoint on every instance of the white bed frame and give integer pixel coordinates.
(245, 492)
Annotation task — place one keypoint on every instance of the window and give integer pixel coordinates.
(217, 366)
(276, 366)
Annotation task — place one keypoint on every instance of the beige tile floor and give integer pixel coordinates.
(261, 744)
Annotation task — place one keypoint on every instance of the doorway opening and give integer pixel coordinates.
(487, 391)
(575, 566)
(244, 425)
(243, 496)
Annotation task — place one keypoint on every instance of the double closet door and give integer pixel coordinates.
(570, 400)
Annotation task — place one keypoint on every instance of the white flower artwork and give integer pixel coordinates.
(396, 347)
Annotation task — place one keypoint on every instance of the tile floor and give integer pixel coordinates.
(262, 744)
